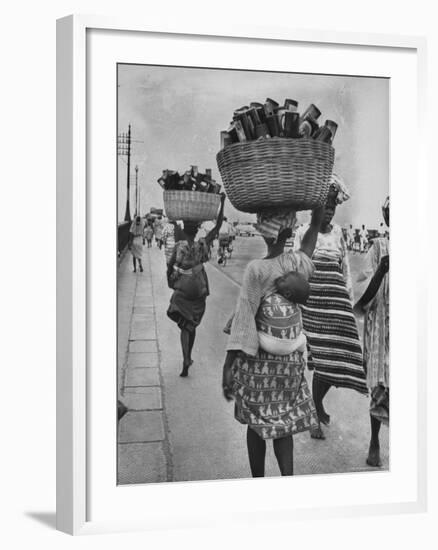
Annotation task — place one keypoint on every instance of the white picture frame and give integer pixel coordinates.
(75, 214)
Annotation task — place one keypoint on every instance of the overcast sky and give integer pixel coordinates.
(177, 115)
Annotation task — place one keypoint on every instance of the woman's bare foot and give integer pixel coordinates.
(185, 371)
(374, 456)
(317, 433)
(324, 417)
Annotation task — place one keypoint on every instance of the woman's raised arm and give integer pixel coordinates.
(310, 237)
(211, 235)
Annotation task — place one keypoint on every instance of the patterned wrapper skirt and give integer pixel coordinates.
(331, 330)
(271, 394)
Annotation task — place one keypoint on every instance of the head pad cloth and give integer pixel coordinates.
(271, 222)
(337, 183)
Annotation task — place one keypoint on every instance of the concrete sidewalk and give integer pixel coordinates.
(143, 447)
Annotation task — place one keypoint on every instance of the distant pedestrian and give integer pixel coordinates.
(375, 304)
(350, 237)
(363, 234)
(148, 234)
(135, 243)
(158, 232)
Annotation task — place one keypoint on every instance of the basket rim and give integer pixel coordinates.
(275, 140)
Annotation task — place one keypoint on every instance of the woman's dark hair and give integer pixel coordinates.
(191, 227)
(285, 234)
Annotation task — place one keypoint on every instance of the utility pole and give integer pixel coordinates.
(136, 190)
(124, 143)
(124, 148)
(128, 153)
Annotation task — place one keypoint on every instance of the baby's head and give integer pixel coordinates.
(294, 287)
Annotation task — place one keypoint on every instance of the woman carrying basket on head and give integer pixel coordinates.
(186, 275)
(270, 391)
(328, 318)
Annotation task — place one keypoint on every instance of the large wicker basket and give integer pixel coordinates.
(276, 172)
(191, 205)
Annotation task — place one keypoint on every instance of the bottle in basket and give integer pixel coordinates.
(291, 124)
(312, 111)
(247, 125)
(323, 134)
(241, 136)
(280, 112)
(308, 127)
(260, 110)
(163, 179)
(332, 126)
(327, 132)
(187, 183)
(273, 125)
(291, 105)
(270, 106)
(260, 128)
(232, 132)
(225, 139)
(174, 179)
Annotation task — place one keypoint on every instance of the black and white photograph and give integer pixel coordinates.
(253, 222)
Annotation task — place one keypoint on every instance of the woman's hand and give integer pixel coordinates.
(227, 375)
(227, 382)
(223, 197)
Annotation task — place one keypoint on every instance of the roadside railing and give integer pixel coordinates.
(122, 236)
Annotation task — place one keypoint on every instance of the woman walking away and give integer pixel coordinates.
(375, 304)
(136, 242)
(158, 232)
(148, 234)
(328, 318)
(270, 391)
(186, 275)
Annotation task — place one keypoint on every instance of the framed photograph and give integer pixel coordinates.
(226, 310)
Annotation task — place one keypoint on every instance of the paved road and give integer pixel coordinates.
(197, 437)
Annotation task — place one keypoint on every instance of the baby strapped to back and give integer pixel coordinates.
(278, 319)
